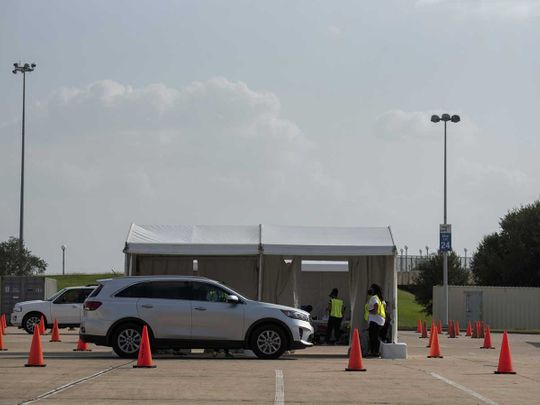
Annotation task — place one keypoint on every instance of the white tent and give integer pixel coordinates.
(264, 261)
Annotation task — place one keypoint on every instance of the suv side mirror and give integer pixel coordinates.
(233, 299)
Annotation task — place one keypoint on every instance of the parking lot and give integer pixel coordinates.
(464, 376)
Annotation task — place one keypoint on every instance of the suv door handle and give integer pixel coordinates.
(200, 308)
(147, 306)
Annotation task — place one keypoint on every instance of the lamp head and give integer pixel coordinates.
(445, 117)
(455, 118)
(63, 247)
(435, 118)
(33, 65)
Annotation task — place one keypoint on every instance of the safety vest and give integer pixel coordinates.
(380, 309)
(336, 308)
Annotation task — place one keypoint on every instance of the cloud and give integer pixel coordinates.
(487, 9)
(334, 31)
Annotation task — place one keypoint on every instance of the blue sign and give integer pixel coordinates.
(445, 238)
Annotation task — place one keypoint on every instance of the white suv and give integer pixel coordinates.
(65, 306)
(189, 312)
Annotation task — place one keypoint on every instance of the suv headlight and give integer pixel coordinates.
(17, 309)
(295, 315)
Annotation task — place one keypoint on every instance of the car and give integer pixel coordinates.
(65, 306)
(185, 312)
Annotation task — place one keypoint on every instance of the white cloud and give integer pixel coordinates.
(488, 9)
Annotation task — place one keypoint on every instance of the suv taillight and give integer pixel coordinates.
(91, 305)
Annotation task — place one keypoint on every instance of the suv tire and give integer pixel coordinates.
(30, 320)
(126, 340)
(268, 341)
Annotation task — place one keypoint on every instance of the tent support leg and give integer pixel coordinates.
(259, 280)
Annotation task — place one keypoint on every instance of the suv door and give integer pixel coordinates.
(67, 308)
(166, 307)
(212, 317)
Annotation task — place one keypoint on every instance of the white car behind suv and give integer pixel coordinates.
(189, 312)
(64, 306)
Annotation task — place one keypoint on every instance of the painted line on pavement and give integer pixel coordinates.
(280, 389)
(72, 384)
(464, 389)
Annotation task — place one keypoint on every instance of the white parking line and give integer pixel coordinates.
(72, 384)
(464, 389)
(280, 389)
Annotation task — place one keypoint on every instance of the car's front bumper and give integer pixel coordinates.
(16, 319)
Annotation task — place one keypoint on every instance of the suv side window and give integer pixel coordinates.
(174, 290)
(75, 296)
(209, 292)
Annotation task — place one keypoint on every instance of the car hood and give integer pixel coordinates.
(279, 307)
(25, 303)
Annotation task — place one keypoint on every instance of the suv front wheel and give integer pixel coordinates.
(268, 342)
(30, 321)
(127, 339)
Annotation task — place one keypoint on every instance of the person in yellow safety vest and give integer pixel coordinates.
(335, 312)
(375, 314)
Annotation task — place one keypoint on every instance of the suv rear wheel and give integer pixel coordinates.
(268, 341)
(127, 339)
(30, 320)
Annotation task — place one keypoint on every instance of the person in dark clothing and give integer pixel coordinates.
(335, 312)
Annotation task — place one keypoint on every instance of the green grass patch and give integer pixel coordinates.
(409, 312)
(72, 280)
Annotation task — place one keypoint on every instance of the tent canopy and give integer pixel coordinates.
(287, 241)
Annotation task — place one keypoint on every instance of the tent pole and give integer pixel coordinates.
(259, 281)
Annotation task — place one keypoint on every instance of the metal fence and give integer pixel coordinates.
(411, 263)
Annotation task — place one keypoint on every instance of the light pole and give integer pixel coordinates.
(63, 259)
(406, 258)
(465, 249)
(455, 119)
(427, 251)
(20, 68)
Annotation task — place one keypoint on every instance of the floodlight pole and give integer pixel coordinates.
(20, 68)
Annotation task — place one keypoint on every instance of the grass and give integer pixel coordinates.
(71, 280)
(409, 312)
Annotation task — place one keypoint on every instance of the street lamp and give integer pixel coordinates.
(401, 260)
(406, 259)
(427, 250)
(20, 68)
(455, 119)
(63, 259)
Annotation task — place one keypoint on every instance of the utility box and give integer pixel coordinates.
(15, 289)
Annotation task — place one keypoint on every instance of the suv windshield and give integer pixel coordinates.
(55, 295)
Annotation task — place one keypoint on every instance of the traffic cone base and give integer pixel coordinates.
(82, 346)
(355, 356)
(151, 366)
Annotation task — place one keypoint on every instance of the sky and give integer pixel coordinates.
(310, 113)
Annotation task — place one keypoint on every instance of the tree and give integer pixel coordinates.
(431, 274)
(14, 262)
(511, 257)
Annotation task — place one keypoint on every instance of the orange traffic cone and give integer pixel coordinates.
(82, 346)
(2, 338)
(482, 329)
(145, 353)
(475, 330)
(55, 336)
(439, 326)
(419, 326)
(456, 327)
(435, 350)
(468, 332)
(432, 331)
(505, 358)
(451, 333)
(355, 358)
(487, 340)
(424, 331)
(4, 324)
(42, 326)
(35, 358)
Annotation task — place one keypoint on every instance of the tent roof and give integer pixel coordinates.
(326, 241)
(193, 240)
(246, 240)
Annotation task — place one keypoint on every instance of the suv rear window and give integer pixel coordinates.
(174, 290)
(96, 291)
